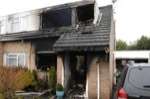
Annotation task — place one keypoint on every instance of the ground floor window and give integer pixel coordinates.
(14, 59)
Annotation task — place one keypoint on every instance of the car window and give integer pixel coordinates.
(140, 77)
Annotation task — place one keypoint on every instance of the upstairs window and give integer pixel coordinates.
(24, 21)
(56, 18)
(14, 23)
(15, 59)
(85, 13)
(1, 27)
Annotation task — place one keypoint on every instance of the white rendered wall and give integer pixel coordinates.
(28, 21)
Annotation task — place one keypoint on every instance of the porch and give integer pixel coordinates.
(84, 74)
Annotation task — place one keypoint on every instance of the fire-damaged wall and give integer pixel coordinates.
(98, 81)
(33, 49)
(44, 44)
(45, 56)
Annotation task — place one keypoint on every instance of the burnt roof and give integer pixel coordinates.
(88, 37)
(53, 32)
(68, 5)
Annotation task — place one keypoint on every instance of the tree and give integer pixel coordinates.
(143, 43)
(121, 45)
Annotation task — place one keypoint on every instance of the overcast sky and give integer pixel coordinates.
(132, 16)
(132, 19)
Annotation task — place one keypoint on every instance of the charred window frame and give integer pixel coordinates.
(56, 18)
(85, 13)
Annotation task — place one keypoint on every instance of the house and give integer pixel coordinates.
(77, 38)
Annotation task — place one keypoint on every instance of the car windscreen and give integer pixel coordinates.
(139, 77)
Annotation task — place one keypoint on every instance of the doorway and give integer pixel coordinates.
(78, 68)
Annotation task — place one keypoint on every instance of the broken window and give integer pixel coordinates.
(45, 56)
(85, 13)
(46, 60)
(56, 18)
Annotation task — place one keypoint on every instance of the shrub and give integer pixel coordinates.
(37, 84)
(23, 80)
(2, 96)
(59, 87)
(12, 79)
(52, 78)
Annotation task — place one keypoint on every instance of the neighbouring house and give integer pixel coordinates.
(77, 38)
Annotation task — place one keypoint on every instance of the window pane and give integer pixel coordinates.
(15, 24)
(0, 26)
(21, 60)
(15, 27)
(24, 23)
(17, 59)
(11, 60)
(16, 20)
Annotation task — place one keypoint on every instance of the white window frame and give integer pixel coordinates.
(6, 56)
(1, 25)
(24, 22)
(13, 20)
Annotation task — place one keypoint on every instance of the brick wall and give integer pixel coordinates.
(92, 78)
(104, 80)
(20, 47)
(98, 69)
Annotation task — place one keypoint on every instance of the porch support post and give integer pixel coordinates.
(98, 78)
(67, 71)
(60, 70)
(92, 78)
(104, 80)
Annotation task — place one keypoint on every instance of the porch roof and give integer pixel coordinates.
(88, 37)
